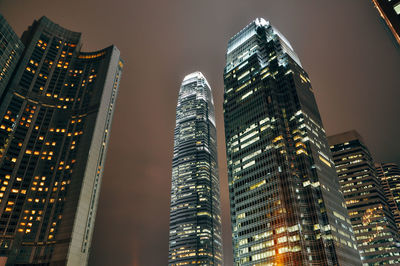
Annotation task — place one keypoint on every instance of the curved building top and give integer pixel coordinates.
(58, 29)
(47, 26)
(196, 76)
(196, 84)
(72, 38)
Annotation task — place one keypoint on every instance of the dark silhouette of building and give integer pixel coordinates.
(389, 11)
(286, 205)
(195, 219)
(372, 220)
(55, 121)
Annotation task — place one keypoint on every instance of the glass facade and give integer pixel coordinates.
(11, 49)
(195, 219)
(286, 205)
(371, 217)
(55, 121)
(389, 175)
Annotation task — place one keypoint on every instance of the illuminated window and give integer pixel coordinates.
(396, 8)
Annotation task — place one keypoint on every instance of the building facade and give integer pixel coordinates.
(389, 12)
(286, 205)
(389, 176)
(372, 220)
(11, 49)
(195, 219)
(55, 121)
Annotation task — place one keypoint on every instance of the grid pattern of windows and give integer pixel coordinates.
(373, 224)
(10, 50)
(195, 219)
(286, 208)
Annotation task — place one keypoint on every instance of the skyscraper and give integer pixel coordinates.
(286, 205)
(195, 221)
(55, 121)
(390, 15)
(389, 175)
(372, 220)
(11, 48)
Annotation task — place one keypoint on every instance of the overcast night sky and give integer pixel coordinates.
(350, 58)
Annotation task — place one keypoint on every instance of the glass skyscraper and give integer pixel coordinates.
(286, 204)
(371, 218)
(55, 121)
(389, 175)
(195, 220)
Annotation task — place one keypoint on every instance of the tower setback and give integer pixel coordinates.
(286, 204)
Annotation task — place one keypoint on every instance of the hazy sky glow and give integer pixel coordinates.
(352, 63)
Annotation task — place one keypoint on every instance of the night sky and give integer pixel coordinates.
(350, 58)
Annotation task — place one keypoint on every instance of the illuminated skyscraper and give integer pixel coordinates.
(389, 175)
(372, 220)
(10, 51)
(55, 121)
(389, 10)
(286, 204)
(195, 221)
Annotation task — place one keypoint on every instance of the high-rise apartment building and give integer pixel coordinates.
(286, 204)
(389, 10)
(55, 121)
(195, 220)
(11, 49)
(370, 215)
(389, 175)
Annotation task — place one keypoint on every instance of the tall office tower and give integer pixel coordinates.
(390, 14)
(55, 120)
(11, 49)
(373, 223)
(389, 175)
(195, 221)
(286, 206)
